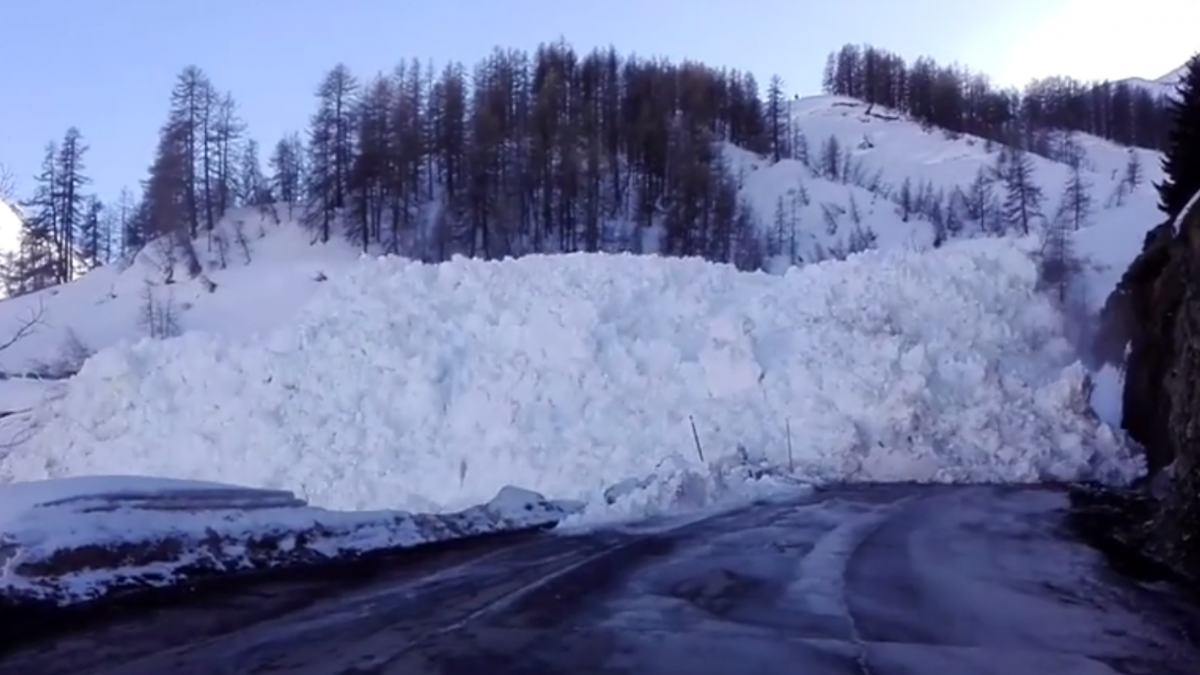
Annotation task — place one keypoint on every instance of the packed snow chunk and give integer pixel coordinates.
(79, 539)
(429, 387)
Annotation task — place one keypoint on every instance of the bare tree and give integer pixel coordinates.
(26, 326)
(1075, 208)
(158, 316)
(7, 183)
(1134, 174)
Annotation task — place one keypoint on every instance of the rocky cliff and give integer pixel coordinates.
(1151, 325)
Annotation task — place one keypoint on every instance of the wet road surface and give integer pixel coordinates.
(897, 580)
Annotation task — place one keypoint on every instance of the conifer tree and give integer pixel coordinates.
(1181, 160)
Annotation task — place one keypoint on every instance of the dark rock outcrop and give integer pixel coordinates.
(1155, 313)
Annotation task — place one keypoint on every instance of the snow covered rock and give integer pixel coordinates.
(77, 540)
(1155, 310)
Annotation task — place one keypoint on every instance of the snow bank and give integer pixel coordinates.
(79, 539)
(428, 387)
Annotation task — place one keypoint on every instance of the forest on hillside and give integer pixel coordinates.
(549, 151)
(952, 97)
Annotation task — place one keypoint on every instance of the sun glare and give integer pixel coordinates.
(1104, 39)
(10, 229)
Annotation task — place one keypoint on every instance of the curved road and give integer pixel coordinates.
(896, 580)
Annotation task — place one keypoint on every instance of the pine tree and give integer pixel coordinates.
(226, 134)
(331, 149)
(831, 158)
(168, 200)
(905, 199)
(192, 101)
(1058, 263)
(777, 119)
(1022, 195)
(37, 264)
(1133, 170)
(252, 186)
(779, 230)
(829, 79)
(72, 209)
(110, 235)
(287, 169)
(91, 234)
(128, 228)
(1181, 159)
(1076, 206)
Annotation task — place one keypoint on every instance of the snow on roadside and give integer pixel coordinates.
(429, 387)
(79, 539)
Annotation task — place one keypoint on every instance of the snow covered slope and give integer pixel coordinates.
(879, 150)
(247, 287)
(889, 144)
(429, 387)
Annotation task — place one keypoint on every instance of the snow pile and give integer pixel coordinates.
(79, 539)
(429, 387)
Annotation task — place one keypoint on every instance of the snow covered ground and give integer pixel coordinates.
(638, 385)
(256, 285)
(74, 540)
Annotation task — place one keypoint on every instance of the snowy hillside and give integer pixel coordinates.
(386, 383)
(258, 272)
(887, 143)
(877, 151)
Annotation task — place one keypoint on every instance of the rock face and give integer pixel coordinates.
(1155, 313)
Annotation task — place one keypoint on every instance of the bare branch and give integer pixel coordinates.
(28, 325)
(26, 426)
(8, 183)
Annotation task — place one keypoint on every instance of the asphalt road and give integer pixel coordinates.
(894, 580)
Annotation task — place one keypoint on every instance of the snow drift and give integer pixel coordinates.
(429, 387)
(77, 540)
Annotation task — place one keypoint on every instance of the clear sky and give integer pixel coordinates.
(107, 66)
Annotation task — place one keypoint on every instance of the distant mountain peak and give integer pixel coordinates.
(1172, 77)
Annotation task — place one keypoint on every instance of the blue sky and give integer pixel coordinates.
(107, 66)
